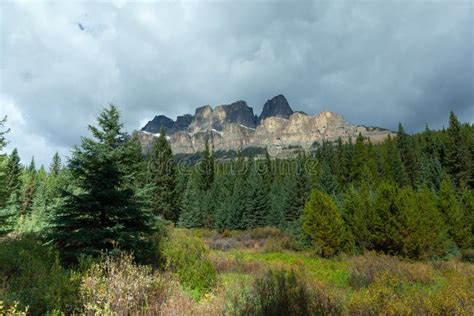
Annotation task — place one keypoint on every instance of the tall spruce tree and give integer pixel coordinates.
(361, 217)
(206, 168)
(423, 231)
(191, 215)
(458, 224)
(386, 228)
(162, 167)
(101, 214)
(28, 190)
(56, 165)
(406, 147)
(359, 167)
(458, 160)
(13, 174)
(394, 170)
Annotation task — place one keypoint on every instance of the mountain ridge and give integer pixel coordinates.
(234, 126)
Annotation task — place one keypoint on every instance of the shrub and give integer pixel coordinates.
(281, 292)
(366, 268)
(116, 285)
(188, 257)
(30, 274)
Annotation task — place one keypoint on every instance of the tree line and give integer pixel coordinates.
(411, 195)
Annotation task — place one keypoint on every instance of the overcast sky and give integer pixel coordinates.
(374, 62)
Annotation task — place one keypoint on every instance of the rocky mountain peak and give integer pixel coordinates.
(238, 112)
(158, 121)
(277, 106)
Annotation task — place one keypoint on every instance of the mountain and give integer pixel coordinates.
(277, 106)
(235, 126)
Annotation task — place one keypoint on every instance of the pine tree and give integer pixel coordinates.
(458, 160)
(322, 221)
(406, 147)
(458, 225)
(9, 214)
(361, 217)
(206, 168)
(13, 174)
(29, 188)
(326, 181)
(393, 166)
(423, 233)
(101, 215)
(386, 228)
(56, 165)
(191, 212)
(359, 168)
(163, 177)
(431, 173)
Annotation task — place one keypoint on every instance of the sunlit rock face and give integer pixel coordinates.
(234, 126)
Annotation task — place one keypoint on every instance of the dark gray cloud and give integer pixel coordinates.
(375, 62)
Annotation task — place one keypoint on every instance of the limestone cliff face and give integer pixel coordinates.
(234, 126)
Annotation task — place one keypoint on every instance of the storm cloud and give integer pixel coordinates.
(376, 63)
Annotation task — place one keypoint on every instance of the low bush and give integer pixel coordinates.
(188, 258)
(115, 285)
(366, 268)
(283, 292)
(30, 274)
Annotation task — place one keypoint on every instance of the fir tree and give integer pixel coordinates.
(424, 233)
(191, 212)
(13, 174)
(361, 217)
(101, 215)
(322, 221)
(326, 180)
(386, 227)
(29, 188)
(56, 165)
(163, 177)
(458, 225)
(458, 160)
(9, 215)
(393, 166)
(359, 171)
(206, 168)
(406, 147)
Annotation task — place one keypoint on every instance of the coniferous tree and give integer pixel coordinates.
(458, 160)
(386, 228)
(393, 166)
(406, 147)
(323, 223)
(29, 188)
(326, 180)
(101, 214)
(361, 217)
(359, 168)
(458, 225)
(191, 212)
(467, 198)
(163, 177)
(206, 168)
(423, 231)
(56, 165)
(13, 174)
